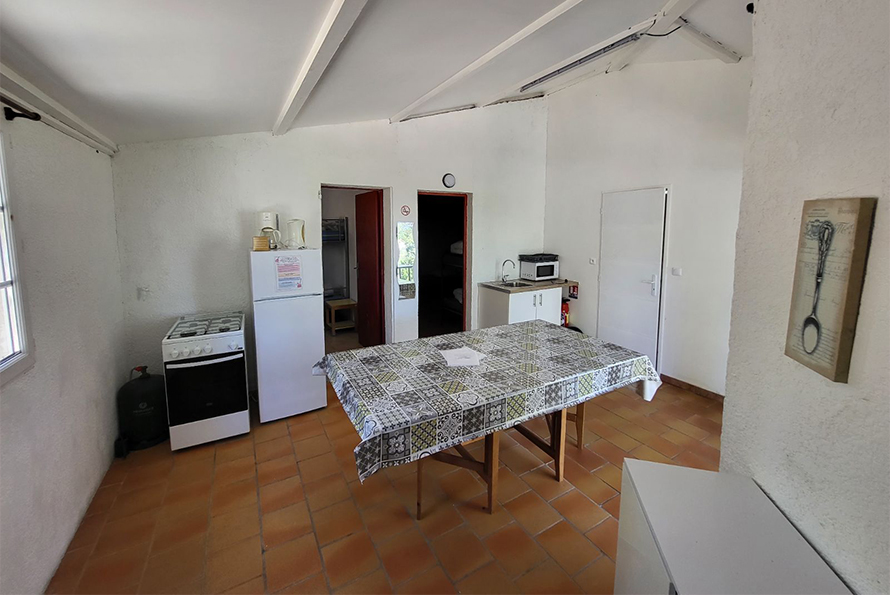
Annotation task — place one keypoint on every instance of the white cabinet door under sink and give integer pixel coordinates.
(550, 305)
(523, 306)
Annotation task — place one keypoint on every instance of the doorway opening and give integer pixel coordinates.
(352, 251)
(631, 275)
(442, 263)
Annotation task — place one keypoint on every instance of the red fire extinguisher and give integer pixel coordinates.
(565, 313)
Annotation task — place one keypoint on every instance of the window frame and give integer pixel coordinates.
(24, 360)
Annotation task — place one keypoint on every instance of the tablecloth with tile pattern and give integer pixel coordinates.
(405, 403)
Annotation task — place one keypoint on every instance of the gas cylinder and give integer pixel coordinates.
(141, 412)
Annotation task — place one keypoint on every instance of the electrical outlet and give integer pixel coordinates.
(676, 271)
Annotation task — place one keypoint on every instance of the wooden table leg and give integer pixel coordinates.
(419, 486)
(558, 443)
(579, 424)
(492, 462)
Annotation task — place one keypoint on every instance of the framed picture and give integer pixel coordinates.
(831, 255)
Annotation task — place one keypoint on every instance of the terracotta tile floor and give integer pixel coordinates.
(281, 510)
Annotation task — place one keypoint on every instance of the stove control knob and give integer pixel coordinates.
(208, 349)
(233, 345)
(174, 353)
(185, 352)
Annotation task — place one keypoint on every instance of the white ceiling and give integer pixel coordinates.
(143, 70)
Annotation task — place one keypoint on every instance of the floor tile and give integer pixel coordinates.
(318, 467)
(375, 583)
(234, 471)
(233, 527)
(533, 513)
(460, 552)
(586, 458)
(386, 520)
(547, 578)
(349, 558)
(326, 491)
(611, 475)
(519, 459)
(405, 556)
(115, 573)
(273, 449)
(515, 550)
(88, 532)
(276, 469)
(270, 431)
(461, 485)
(510, 485)
(483, 523)
(311, 447)
(103, 499)
(68, 573)
(233, 496)
(132, 530)
(432, 582)
(579, 510)
(254, 586)
(375, 490)
(292, 562)
(137, 501)
(605, 536)
(598, 578)
(280, 494)
(543, 481)
(337, 521)
(613, 506)
(285, 524)
(307, 428)
(313, 585)
(438, 519)
(234, 449)
(234, 565)
(488, 579)
(175, 567)
(147, 475)
(589, 483)
(569, 548)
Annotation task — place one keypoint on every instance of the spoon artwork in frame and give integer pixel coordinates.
(811, 333)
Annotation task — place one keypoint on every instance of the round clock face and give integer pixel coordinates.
(448, 180)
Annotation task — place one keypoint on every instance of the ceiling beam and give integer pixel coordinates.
(665, 20)
(708, 43)
(339, 20)
(512, 90)
(21, 90)
(496, 51)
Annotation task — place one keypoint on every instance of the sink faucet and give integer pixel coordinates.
(503, 272)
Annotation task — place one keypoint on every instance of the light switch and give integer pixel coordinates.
(592, 261)
(676, 271)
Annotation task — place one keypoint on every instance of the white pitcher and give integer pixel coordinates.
(296, 234)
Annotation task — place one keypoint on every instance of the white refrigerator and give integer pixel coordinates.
(288, 311)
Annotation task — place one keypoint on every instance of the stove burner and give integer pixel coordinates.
(223, 329)
(188, 333)
(199, 326)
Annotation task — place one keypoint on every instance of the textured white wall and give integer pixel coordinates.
(58, 420)
(819, 126)
(680, 125)
(185, 209)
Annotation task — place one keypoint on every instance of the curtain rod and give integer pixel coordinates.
(16, 110)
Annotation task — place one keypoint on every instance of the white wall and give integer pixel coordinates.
(819, 126)
(58, 420)
(185, 208)
(680, 125)
(337, 203)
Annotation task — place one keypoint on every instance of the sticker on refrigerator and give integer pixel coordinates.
(289, 272)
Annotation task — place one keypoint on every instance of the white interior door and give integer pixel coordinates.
(631, 251)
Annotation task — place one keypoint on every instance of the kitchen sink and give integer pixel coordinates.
(514, 284)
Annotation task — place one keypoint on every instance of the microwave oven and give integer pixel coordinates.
(538, 267)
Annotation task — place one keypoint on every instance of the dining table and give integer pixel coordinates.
(408, 405)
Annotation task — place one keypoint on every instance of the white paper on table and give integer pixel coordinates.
(462, 357)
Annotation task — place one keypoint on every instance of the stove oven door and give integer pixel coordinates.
(205, 387)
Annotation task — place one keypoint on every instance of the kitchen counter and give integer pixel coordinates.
(532, 285)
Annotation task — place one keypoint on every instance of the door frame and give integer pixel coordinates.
(662, 286)
(466, 239)
(385, 227)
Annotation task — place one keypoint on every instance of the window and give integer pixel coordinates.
(13, 346)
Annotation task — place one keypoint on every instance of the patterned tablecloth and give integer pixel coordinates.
(405, 403)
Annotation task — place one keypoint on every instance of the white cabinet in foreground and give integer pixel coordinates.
(692, 532)
(498, 307)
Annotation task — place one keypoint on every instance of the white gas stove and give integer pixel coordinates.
(205, 373)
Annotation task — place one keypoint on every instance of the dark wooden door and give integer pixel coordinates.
(369, 259)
